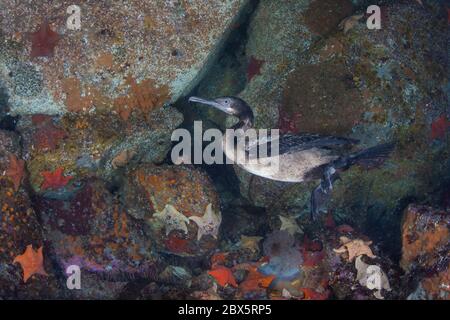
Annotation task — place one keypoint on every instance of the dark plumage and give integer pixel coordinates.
(302, 157)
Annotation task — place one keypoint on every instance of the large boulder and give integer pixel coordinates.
(91, 230)
(279, 33)
(85, 145)
(130, 54)
(174, 202)
(20, 229)
(425, 248)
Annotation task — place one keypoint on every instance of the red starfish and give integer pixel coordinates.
(54, 180)
(255, 281)
(223, 276)
(439, 127)
(311, 294)
(254, 68)
(43, 41)
(15, 170)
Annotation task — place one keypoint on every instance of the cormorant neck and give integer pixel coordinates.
(245, 122)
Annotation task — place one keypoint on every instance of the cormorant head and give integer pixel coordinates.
(230, 105)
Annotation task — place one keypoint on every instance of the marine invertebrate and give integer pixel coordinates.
(285, 258)
(54, 179)
(254, 68)
(43, 41)
(143, 96)
(439, 127)
(354, 248)
(209, 223)
(172, 219)
(32, 262)
(372, 277)
(289, 225)
(255, 281)
(311, 294)
(223, 276)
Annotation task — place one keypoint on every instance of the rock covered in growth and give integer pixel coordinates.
(425, 248)
(279, 33)
(365, 81)
(127, 56)
(20, 228)
(94, 288)
(361, 271)
(10, 144)
(100, 145)
(92, 230)
(175, 202)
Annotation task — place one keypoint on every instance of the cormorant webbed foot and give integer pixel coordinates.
(327, 182)
(322, 193)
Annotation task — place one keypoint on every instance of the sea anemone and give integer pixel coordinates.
(285, 258)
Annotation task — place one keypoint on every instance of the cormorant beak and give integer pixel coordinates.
(212, 103)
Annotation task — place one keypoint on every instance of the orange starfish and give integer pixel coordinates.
(32, 262)
(311, 294)
(223, 276)
(255, 281)
(218, 258)
(15, 170)
(54, 180)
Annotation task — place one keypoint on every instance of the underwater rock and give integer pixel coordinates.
(85, 145)
(9, 144)
(333, 272)
(179, 206)
(20, 228)
(278, 34)
(425, 247)
(129, 54)
(91, 230)
(99, 289)
(238, 221)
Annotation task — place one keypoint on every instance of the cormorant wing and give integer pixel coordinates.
(291, 143)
